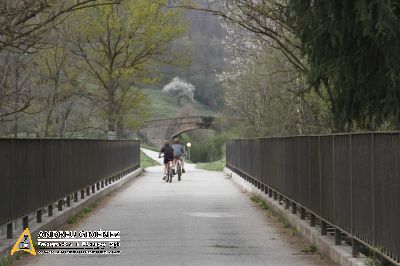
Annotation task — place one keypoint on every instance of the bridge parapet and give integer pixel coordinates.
(347, 181)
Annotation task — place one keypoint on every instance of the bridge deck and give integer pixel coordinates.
(203, 220)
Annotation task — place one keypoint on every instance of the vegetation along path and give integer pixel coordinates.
(202, 220)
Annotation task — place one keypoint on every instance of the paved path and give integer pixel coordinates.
(203, 220)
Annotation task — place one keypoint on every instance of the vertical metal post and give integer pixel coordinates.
(287, 203)
(262, 187)
(60, 205)
(39, 216)
(302, 213)
(266, 189)
(312, 220)
(324, 230)
(355, 248)
(68, 201)
(105, 182)
(275, 195)
(82, 194)
(338, 237)
(25, 222)
(88, 191)
(102, 183)
(50, 210)
(98, 186)
(76, 197)
(9, 230)
(270, 192)
(93, 188)
(294, 208)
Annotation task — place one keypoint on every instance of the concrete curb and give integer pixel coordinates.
(340, 255)
(60, 218)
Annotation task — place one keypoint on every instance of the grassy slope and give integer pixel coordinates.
(212, 166)
(163, 106)
(146, 161)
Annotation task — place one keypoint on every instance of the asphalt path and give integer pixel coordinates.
(202, 220)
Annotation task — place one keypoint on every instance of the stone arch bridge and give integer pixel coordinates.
(158, 131)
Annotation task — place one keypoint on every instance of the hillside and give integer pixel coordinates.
(163, 106)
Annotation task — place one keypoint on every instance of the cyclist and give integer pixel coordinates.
(179, 150)
(168, 156)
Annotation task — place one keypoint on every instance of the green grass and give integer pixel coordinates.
(212, 166)
(149, 147)
(146, 161)
(163, 106)
(5, 261)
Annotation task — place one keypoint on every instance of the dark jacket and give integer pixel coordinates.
(168, 152)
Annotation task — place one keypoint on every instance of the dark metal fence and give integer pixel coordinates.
(37, 172)
(349, 181)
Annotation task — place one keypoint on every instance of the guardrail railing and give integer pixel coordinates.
(35, 173)
(348, 181)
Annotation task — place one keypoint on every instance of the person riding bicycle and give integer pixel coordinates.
(168, 156)
(179, 150)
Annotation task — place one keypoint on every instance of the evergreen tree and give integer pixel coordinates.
(353, 49)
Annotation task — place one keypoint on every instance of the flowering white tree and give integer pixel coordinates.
(180, 89)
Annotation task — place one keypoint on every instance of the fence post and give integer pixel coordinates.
(355, 247)
(25, 222)
(9, 230)
(82, 194)
(312, 220)
(324, 228)
(287, 203)
(39, 216)
(76, 197)
(50, 210)
(60, 205)
(302, 213)
(68, 201)
(294, 208)
(338, 237)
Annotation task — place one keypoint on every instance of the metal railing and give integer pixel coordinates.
(34, 173)
(348, 181)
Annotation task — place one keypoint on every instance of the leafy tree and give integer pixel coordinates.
(353, 48)
(262, 89)
(179, 88)
(59, 92)
(23, 24)
(119, 47)
(15, 85)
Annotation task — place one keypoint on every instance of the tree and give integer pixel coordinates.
(269, 20)
(353, 48)
(262, 89)
(59, 91)
(180, 89)
(23, 24)
(15, 86)
(119, 47)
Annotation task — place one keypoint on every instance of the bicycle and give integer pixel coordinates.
(169, 175)
(179, 168)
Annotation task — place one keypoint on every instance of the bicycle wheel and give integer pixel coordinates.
(170, 175)
(167, 175)
(179, 170)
